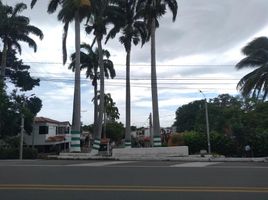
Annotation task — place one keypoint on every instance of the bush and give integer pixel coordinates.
(13, 153)
(259, 143)
(176, 140)
(195, 141)
(221, 144)
(9, 153)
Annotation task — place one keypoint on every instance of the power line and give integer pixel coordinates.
(141, 83)
(141, 65)
(147, 79)
(144, 79)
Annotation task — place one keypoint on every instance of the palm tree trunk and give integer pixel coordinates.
(128, 106)
(4, 61)
(96, 144)
(95, 128)
(156, 123)
(76, 122)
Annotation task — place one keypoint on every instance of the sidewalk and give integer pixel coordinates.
(190, 158)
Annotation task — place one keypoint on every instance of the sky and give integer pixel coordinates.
(196, 52)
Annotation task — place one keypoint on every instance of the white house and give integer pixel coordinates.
(48, 133)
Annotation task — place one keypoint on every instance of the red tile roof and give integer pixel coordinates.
(48, 120)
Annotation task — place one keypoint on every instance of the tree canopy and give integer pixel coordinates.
(240, 121)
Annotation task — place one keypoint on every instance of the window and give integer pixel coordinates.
(60, 130)
(67, 130)
(43, 130)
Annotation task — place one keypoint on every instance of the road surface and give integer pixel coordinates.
(132, 180)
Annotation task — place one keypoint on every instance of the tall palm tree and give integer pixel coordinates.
(255, 83)
(133, 30)
(15, 28)
(152, 11)
(89, 61)
(103, 13)
(72, 10)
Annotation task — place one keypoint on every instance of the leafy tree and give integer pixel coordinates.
(111, 111)
(15, 28)
(234, 123)
(10, 104)
(18, 72)
(115, 131)
(255, 83)
(110, 108)
(152, 10)
(11, 108)
(186, 116)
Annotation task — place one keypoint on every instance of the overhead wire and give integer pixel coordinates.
(140, 65)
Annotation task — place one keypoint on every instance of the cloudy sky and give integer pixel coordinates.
(197, 52)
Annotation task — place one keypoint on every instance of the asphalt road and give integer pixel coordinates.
(41, 179)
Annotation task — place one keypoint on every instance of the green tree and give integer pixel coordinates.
(89, 61)
(111, 112)
(15, 28)
(152, 11)
(72, 11)
(187, 115)
(255, 83)
(133, 30)
(115, 131)
(11, 107)
(18, 72)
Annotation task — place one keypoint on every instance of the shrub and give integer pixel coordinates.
(221, 144)
(176, 140)
(13, 153)
(195, 141)
(259, 143)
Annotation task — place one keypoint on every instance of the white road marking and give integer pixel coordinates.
(99, 164)
(195, 164)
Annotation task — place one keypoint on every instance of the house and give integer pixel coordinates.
(49, 135)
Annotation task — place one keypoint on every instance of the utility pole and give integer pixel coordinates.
(22, 130)
(207, 123)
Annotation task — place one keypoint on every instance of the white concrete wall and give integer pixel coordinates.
(151, 152)
(39, 139)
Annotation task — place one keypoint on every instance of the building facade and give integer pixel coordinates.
(49, 135)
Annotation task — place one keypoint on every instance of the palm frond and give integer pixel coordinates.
(18, 8)
(36, 31)
(64, 38)
(53, 5)
(33, 2)
(173, 6)
(255, 59)
(256, 44)
(28, 40)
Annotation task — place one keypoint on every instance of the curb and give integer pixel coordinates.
(183, 159)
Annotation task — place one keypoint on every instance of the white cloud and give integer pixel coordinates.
(203, 44)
